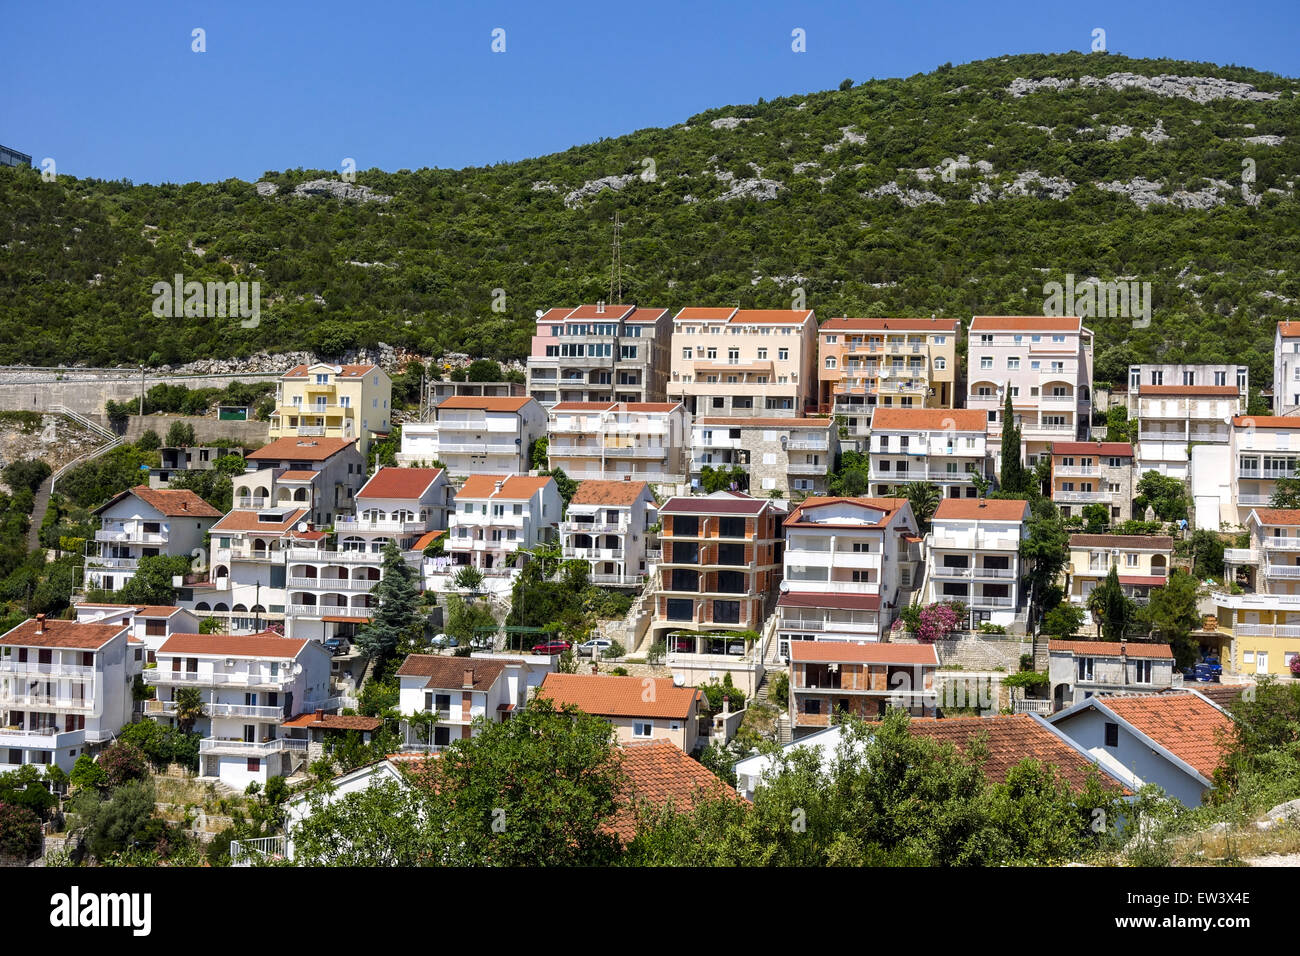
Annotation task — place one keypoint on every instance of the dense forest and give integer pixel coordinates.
(838, 193)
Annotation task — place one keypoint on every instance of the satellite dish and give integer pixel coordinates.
(679, 680)
(302, 527)
(539, 313)
(297, 668)
(784, 586)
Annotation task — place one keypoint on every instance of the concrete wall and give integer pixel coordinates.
(87, 390)
(205, 429)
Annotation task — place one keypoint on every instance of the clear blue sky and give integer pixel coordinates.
(112, 89)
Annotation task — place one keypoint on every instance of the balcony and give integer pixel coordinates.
(1253, 500)
(334, 557)
(344, 525)
(594, 554)
(1266, 472)
(1076, 471)
(628, 451)
(983, 601)
(1240, 556)
(50, 671)
(157, 675)
(1082, 496)
(167, 708)
(131, 537)
(1282, 570)
(333, 584)
(476, 448)
(617, 580)
(808, 444)
(11, 700)
(1282, 544)
(249, 748)
(819, 625)
(1267, 630)
(973, 542)
(41, 738)
(311, 431)
(329, 610)
(1066, 429)
(125, 564)
(591, 527)
(258, 555)
(807, 468)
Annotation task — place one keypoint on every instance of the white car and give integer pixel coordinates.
(594, 646)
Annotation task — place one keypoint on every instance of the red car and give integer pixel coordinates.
(554, 647)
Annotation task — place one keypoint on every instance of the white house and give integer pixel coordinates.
(151, 625)
(1286, 368)
(973, 556)
(1174, 740)
(144, 522)
(65, 689)
(476, 435)
(249, 685)
(496, 518)
(246, 581)
(458, 690)
(606, 527)
(319, 475)
(1181, 405)
(1083, 669)
(635, 441)
(942, 446)
(849, 564)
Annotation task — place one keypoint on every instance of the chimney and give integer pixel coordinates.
(499, 483)
(40, 623)
(320, 715)
(600, 307)
(726, 705)
(185, 505)
(468, 680)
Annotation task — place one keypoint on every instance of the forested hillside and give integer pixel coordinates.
(840, 193)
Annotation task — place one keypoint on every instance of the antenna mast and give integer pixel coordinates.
(616, 268)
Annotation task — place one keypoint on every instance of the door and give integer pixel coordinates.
(1261, 662)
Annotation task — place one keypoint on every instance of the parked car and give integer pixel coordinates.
(552, 647)
(337, 645)
(1204, 674)
(445, 640)
(596, 645)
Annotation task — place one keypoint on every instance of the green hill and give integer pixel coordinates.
(859, 216)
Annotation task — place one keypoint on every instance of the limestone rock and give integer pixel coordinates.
(337, 189)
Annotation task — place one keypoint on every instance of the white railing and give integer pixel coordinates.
(268, 555)
(332, 584)
(362, 524)
(44, 701)
(981, 600)
(802, 444)
(1282, 571)
(327, 610)
(634, 452)
(252, 852)
(1254, 499)
(1267, 630)
(981, 572)
(53, 671)
(1077, 470)
(588, 527)
(1266, 473)
(126, 564)
(311, 431)
(1283, 544)
(132, 537)
(1023, 706)
(616, 580)
(334, 557)
(157, 675)
(594, 554)
(477, 448)
(806, 468)
(1240, 555)
(1084, 496)
(217, 745)
(977, 543)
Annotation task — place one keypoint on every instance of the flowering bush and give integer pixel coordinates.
(937, 620)
(20, 831)
(1295, 665)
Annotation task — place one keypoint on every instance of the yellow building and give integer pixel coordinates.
(1141, 561)
(1261, 632)
(333, 401)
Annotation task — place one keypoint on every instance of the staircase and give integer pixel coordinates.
(639, 614)
(41, 501)
(39, 505)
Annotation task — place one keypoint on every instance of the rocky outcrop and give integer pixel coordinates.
(1198, 89)
(911, 198)
(1145, 193)
(594, 186)
(756, 188)
(728, 122)
(266, 189)
(337, 189)
(1264, 140)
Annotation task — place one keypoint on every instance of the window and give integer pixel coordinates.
(254, 764)
(1085, 669)
(830, 361)
(783, 355)
(1112, 734)
(762, 355)
(1142, 672)
(830, 340)
(1221, 378)
(986, 362)
(940, 363)
(642, 729)
(686, 353)
(986, 340)
(1013, 364)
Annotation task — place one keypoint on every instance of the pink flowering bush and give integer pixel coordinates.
(937, 621)
(1295, 666)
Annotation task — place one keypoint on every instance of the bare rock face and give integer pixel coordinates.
(266, 189)
(756, 188)
(1264, 140)
(728, 122)
(337, 189)
(1033, 183)
(594, 186)
(911, 198)
(542, 186)
(1198, 89)
(1146, 193)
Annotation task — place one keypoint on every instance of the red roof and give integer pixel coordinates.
(170, 502)
(845, 324)
(982, 509)
(406, 483)
(346, 371)
(291, 448)
(1267, 421)
(249, 521)
(1144, 580)
(887, 506)
(612, 696)
(426, 539)
(449, 672)
(487, 403)
(595, 492)
(657, 773)
(1139, 542)
(157, 610)
(701, 313)
(838, 602)
(934, 419)
(826, 652)
(334, 722)
(1190, 728)
(1277, 516)
(772, 316)
(265, 644)
(1025, 323)
(1289, 329)
(710, 505)
(514, 488)
(603, 313)
(1114, 449)
(59, 633)
(292, 475)
(1009, 739)
(1112, 649)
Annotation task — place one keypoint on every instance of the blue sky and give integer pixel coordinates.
(113, 90)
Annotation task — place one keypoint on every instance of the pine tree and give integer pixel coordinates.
(398, 615)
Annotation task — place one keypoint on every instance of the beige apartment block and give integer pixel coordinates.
(636, 441)
(741, 362)
(1046, 364)
(1142, 562)
(333, 401)
(1093, 473)
(891, 363)
(599, 353)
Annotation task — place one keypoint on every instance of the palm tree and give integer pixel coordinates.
(924, 498)
(189, 708)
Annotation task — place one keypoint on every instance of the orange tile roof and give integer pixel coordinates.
(937, 419)
(766, 422)
(514, 487)
(1278, 516)
(487, 403)
(426, 539)
(657, 773)
(1266, 421)
(408, 483)
(449, 672)
(347, 371)
(1009, 739)
(1187, 390)
(1289, 329)
(649, 406)
(982, 509)
(58, 633)
(646, 315)
(171, 502)
(595, 492)
(247, 521)
(704, 313)
(291, 448)
(1117, 449)
(1112, 648)
(333, 722)
(875, 652)
(1027, 323)
(292, 475)
(889, 506)
(265, 644)
(157, 610)
(1190, 728)
(610, 313)
(611, 696)
(846, 324)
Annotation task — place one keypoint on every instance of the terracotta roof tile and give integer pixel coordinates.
(487, 403)
(1190, 728)
(595, 492)
(605, 313)
(408, 483)
(657, 773)
(171, 502)
(513, 488)
(294, 475)
(875, 652)
(449, 672)
(611, 696)
(58, 633)
(157, 610)
(704, 313)
(291, 448)
(334, 722)
(1112, 649)
(248, 521)
(347, 371)
(935, 419)
(1267, 421)
(1277, 516)
(982, 509)
(839, 602)
(887, 506)
(1141, 542)
(265, 644)
(426, 539)
(1289, 329)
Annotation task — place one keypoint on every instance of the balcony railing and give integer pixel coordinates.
(362, 524)
(1266, 473)
(217, 745)
(1283, 544)
(256, 712)
(1283, 571)
(1081, 496)
(591, 527)
(10, 699)
(477, 448)
(332, 584)
(1267, 630)
(801, 444)
(334, 557)
(807, 468)
(1253, 500)
(327, 610)
(158, 675)
(981, 600)
(594, 554)
(125, 564)
(51, 671)
(617, 580)
(1240, 555)
(132, 537)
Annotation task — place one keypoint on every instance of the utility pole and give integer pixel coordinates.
(141, 390)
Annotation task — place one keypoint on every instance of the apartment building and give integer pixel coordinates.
(1286, 368)
(180, 460)
(742, 362)
(638, 709)
(1045, 362)
(437, 391)
(791, 456)
(1254, 633)
(249, 685)
(1141, 561)
(1271, 562)
(245, 588)
(600, 353)
(143, 522)
(945, 447)
(973, 553)
(1180, 405)
(349, 402)
(497, 518)
(476, 436)
(329, 581)
(1264, 449)
(849, 564)
(636, 441)
(828, 678)
(1082, 669)
(606, 526)
(318, 475)
(65, 689)
(721, 563)
(149, 625)
(1093, 473)
(457, 691)
(863, 364)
